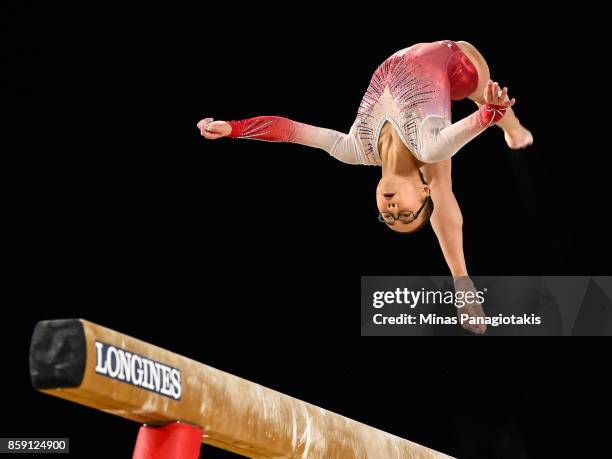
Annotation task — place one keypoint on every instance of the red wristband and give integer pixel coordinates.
(490, 114)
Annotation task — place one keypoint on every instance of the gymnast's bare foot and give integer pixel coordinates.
(472, 307)
(518, 137)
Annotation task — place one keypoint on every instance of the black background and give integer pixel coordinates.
(247, 255)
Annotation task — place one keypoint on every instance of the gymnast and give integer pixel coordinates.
(403, 124)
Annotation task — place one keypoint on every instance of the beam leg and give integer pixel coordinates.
(172, 441)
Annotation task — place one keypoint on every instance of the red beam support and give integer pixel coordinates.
(172, 441)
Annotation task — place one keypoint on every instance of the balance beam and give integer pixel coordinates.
(97, 367)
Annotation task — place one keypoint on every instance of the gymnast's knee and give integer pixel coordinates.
(480, 63)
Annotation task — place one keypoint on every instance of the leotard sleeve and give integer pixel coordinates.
(440, 140)
(343, 147)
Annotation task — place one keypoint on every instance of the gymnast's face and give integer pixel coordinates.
(399, 197)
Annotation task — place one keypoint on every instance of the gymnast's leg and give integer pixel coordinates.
(447, 223)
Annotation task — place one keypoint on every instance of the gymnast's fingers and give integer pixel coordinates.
(504, 96)
(202, 124)
(487, 92)
(493, 93)
(215, 127)
(496, 95)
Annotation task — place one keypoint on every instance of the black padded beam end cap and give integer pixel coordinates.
(58, 352)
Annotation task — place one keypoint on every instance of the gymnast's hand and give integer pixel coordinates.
(210, 129)
(515, 134)
(494, 95)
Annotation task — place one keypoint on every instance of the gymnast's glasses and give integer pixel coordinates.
(405, 216)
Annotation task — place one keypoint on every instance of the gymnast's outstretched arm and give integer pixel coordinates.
(344, 147)
(446, 219)
(447, 223)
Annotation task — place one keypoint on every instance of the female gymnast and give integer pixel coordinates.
(403, 124)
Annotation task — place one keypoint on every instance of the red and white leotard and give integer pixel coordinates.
(412, 89)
